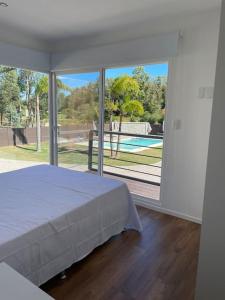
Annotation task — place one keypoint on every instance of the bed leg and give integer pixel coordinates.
(63, 275)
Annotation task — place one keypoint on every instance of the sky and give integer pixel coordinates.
(78, 80)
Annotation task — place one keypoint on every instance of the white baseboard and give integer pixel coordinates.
(156, 205)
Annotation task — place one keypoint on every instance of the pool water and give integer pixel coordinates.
(135, 144)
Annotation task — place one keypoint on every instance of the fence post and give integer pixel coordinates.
(90, 148)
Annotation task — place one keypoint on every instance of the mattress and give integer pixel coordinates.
(52, 217)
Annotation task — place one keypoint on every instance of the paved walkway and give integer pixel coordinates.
(7, 165)
(147, 172)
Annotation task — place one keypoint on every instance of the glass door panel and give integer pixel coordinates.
(134, 124)
(77, 117)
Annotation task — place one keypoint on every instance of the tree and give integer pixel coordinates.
(9, 95)
(41, 101)
(41, 88)
(134, 109)
(110, 108)
(27, 80)
(81, 105)
(156, 100)
(152, 95)
(124, 90)
(143, 79)
(62, 86)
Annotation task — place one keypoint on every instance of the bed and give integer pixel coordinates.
(52, 217)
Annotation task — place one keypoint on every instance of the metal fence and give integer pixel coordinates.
(125, 155)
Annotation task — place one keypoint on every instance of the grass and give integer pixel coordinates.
(25, 152)
(79, 156)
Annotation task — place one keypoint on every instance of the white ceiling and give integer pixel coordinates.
(44, 23)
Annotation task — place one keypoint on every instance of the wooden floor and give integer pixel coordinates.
(158, 264)
(140, 188)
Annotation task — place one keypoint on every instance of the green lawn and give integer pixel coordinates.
(25, 152)
(79, 156)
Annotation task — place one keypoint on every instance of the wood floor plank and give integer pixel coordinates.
(158, 264)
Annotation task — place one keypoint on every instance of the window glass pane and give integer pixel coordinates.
(78, 113)
(24, 125)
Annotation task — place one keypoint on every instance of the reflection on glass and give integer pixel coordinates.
(77, 97)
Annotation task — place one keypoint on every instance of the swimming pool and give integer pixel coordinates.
(135, 144)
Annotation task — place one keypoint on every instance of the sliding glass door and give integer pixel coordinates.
(111, 122)
(134, 123)
(78, 121)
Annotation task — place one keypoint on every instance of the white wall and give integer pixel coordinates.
(14, 56)
(135, 51)
(211, 273)
(194, 67)
(186, 148)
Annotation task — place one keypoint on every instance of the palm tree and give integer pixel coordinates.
(41, 88)
(125, 90)
(111, 107)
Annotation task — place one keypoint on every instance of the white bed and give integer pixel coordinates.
(52, 217)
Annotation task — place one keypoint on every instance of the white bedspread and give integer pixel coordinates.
(52, 217)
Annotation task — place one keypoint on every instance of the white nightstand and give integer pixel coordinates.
(14, 286)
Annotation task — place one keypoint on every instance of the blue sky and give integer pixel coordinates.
(78, 80)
